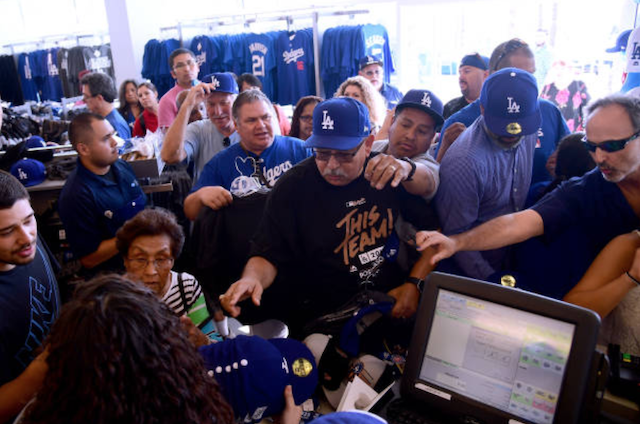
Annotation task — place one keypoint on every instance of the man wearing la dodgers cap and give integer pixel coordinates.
(487, 171)
(326, 233)
(403, 157)
(201, 140)
(372, 68)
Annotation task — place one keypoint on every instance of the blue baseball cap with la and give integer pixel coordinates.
(509, 98)
(223, 82)
(424, 100)
(339, 124)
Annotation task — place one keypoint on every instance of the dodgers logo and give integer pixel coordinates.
(636, 52)
(513, 106)
(327, 122)
(426, 100)
(215, 83)
(22, 175)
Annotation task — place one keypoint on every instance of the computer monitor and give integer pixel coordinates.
(493, 354)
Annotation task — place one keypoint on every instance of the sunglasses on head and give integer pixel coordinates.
(511, 46)
(608, 146)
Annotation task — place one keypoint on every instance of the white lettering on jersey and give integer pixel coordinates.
(292, 55)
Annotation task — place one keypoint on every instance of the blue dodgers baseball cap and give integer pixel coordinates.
(510, 101)
(424, 100)
(253, 373)
(621, 42)
(35, 141)
(476, 60)
(349, 417)
(339, 124)
(350, 335)
(223, 82)
(29, 172)
(370, 60)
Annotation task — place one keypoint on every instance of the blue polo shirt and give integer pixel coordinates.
(93, 207)
(580, 217)
(391, 94)
(552, 129)
(234, 161)
(119, 124)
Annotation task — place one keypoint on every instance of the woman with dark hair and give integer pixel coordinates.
(148, 119)
(302, 120)
(149, 244)
(118, 355)
(130, 108)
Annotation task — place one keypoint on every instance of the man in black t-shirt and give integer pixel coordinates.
(29, 299)
(326, 233)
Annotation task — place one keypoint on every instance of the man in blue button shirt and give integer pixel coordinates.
(99, 195)
(98, 93)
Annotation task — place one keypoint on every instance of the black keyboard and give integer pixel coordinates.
(400, 411)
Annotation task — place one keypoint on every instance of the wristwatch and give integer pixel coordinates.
(413, 167)
(417, 281)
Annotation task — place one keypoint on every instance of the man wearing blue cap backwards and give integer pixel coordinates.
(326, 233)
(487, 171)
(473, 70)
(201, 140)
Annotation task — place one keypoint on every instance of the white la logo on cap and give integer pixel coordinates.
(22, 175)
(426, 100)
(327, 122)
(215, 83)
(513, 106)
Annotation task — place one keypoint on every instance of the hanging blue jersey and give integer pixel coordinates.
(205, 52)
(261, 57)
(52, 86)
(296, 75)
(29, 89)
(376, 42)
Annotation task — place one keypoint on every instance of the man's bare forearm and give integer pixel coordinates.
(173, 144)
(501, 231)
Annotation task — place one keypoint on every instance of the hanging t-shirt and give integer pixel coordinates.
(295, 66)
(29, 88)
(51, 84)
(376, 43)
(205, 52)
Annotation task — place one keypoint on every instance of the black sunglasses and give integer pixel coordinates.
(608, 146)
(511, 46)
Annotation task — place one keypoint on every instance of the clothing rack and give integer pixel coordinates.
(55, 39)
(245, 19)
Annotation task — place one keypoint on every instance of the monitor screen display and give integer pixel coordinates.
(503, 357)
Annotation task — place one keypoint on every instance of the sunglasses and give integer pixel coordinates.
(511, 46)
(609, 146)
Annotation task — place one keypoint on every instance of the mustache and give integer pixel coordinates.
(334, 173)
(24, 246)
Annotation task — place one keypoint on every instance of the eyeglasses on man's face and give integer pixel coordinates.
(341, 157)
(189, 63)
(371, 72)
(610, 145)
(306, 119)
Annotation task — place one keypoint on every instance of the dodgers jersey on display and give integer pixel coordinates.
(204, 49)
(262, 59)
(296, 77)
